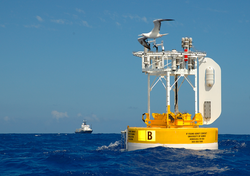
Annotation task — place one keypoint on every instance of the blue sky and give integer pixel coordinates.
(65, 61)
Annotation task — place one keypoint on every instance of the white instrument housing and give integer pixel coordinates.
(209, 90)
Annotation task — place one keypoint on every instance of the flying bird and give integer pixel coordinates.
(155, 33)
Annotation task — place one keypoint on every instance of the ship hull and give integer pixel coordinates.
(87, 132)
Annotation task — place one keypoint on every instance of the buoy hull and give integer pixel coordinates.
(188, 138)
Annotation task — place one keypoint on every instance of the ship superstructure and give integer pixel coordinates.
(84, 128)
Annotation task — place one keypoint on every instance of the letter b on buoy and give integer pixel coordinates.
(150, 135)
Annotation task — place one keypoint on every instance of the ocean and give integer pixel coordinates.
(100, 154)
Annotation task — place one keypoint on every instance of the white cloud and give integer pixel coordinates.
(79, 115)
(39, 18)
(93, 117)
(2, 25)
(80, 11)
(6, 118)
(59, 115)
(32, 26)
(118, 24)
(59, 21)
(75, 16)
(103, 20)
(136, 17)
(144, 19)
(113, 16)
(85, 23)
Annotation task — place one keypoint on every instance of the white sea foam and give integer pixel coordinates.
(210, 170)
(111, 146)
(243, 144)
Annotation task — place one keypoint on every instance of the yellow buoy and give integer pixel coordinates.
(176, 129)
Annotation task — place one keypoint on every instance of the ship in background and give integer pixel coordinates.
(84, 128)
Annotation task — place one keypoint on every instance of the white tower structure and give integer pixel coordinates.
(180, 65)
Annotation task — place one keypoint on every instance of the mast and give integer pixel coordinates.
(176, 95)
(149, 89)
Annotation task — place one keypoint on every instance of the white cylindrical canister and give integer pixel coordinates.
(209, 76)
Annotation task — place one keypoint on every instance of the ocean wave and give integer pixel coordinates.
(111, 146)
(235, 145)
(99, 154)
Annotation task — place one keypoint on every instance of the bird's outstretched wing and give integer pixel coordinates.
(157, 24)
